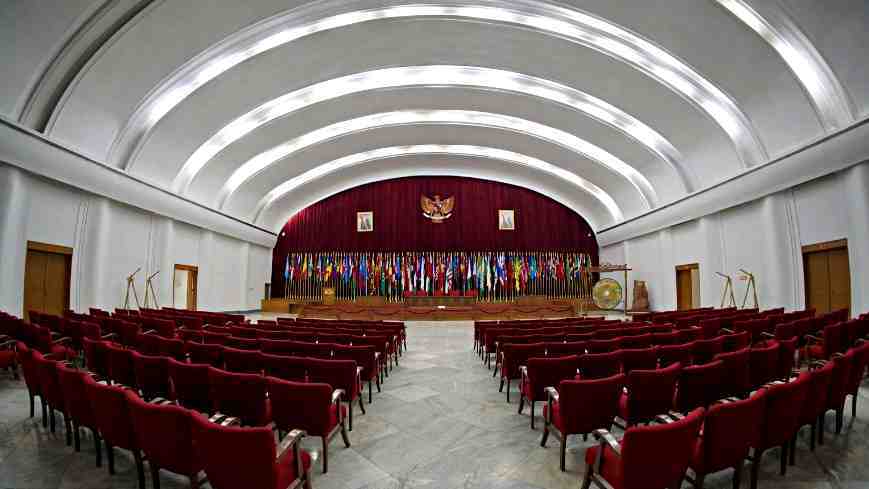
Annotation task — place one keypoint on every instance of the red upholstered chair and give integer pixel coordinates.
(859, 359)
(242, 361)
(171, 347)
(149, 344)
(711, 327)
(78, 408)
(253, 462)
(162, 327)
(190, 384)
(51, 393)
(112, 415)
(514, 356)
(669, 338)
(738, 380)
(240, 395)
(312, 407)
(600, 365)
(365, 356)
(556, 349)
(164, 433)
(540, 373)
(209, 353)
(649, 393)
(340, 374)
(763, 366)
(637, 342)
(816, 403)
(705, 350)
(737, 341)
(580, 407)
(681, 353)
(285, 367)
(121, 368)
(838, 389)
(729, 429)
(277, 347)
(690, 334)
(638, 460)
(604, 346)
(699, 385)
(152, 376)
(31, 379)
(787, 353)
(127, 333)
(780, 421)
(47, 344)
(214, 338)
(8, 358)
(241, 343)
(639, 359)
(831, 342)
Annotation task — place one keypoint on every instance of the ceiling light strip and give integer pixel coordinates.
(437, 149)
(270, 157)
(818, 80)
(566, 23)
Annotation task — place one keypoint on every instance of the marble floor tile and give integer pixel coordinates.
(439, 423)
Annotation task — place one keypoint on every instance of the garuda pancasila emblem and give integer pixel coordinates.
(436, 209)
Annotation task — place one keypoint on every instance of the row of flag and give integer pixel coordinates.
(393, 274)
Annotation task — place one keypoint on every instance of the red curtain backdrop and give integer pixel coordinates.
(399, 225)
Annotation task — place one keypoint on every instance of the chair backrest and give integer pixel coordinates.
(363, 355)
(604, 345)
(28, 368)
(639, 359)
(646, 464)
(209, 353)
(301, 405)
(819, 391)
(76, 401)
(165, 434)
(670, 338)
(277, 346)
(700, 385)
(49, 384)
(171, 347)
(285, 367)
(242, 361)
(96, 356)
(241, 343)
(112, 413)
(560, 349)
(729, 430)
(600, 365)
(705, 350)
(152, 375)
(834, 339)
(190, 384)
(842, 365)
(240, 395)
(340, 374)
(738, 380)
(781, 416)
(636, 342)
(737, 341)
(710, 327)
(516, 355)
(588, 405)
(121, 368)
(215, 338)
(651, 392)
(236, 457)
(787, 349)
(149, 344)
(669, 354)
(549, 372)
(764, 364)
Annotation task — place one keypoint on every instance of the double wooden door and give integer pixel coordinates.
(47, 273)
(827, 276)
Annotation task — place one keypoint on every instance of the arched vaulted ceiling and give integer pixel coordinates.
(261, 108)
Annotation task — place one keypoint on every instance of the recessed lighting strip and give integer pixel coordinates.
(266, 159)
(437, 149)
(565, 23)
(439, 75)
(820, 83)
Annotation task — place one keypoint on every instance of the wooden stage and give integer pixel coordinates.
(430, 308)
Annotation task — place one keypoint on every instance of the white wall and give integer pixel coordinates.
(765, 237)
(111, 240)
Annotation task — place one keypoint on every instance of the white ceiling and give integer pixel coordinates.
(612, 107)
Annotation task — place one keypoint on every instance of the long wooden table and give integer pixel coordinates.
(439, 300)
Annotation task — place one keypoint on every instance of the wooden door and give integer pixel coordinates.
(47, 272)
(687, 283)
(185, 286)
(827, 276)
(192, 279)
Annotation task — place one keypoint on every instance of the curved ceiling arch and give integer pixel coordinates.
(502, 155)
(566, 140)
(566, 23)
(487, 78)
(825, 90)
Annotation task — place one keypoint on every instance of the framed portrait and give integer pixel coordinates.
(506, 220)
(364, 222)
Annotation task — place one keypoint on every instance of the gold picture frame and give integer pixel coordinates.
(506, 220)
(365, 222)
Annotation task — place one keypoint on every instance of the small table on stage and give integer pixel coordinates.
(440, 300)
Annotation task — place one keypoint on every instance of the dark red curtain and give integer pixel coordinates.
(399, 225)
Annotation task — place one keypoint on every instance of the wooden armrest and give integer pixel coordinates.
(8, 343)
(773, 383)
(664, 419)
(160, 401)
(54, 334)
(150, 331)
(837, 355)
(767, 335)
(726, 400)
(109, 336)
(606, 440)
(811, 337)
(292, 440)
(727, 330)
(676, 416)
(552, 393)
(230, 421)
(337, 394)
(4, 337)
(217, 417)
(60, 341)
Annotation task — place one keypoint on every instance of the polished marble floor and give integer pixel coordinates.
(439, 423)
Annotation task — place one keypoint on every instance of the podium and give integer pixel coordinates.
(328, 296)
